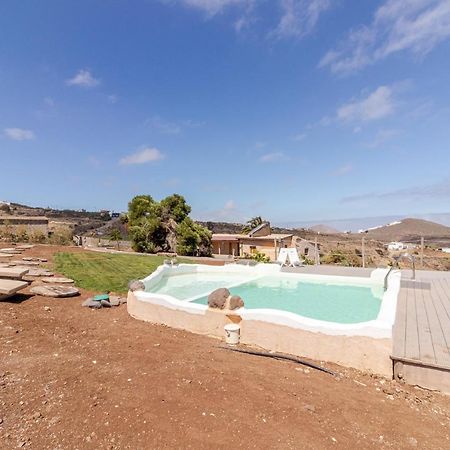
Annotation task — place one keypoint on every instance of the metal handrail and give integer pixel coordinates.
(386, 278)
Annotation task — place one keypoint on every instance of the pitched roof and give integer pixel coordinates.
(258, 228)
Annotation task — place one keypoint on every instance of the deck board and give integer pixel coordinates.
(412, 350)
(422, 327)
(425, 338)
(438, 327)
(399, 330)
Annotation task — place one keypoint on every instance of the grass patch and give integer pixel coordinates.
(104, 271)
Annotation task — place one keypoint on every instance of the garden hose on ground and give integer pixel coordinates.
(282, 357)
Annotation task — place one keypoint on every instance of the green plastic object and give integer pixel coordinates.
(101, 297)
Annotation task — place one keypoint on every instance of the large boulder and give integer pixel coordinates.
(136, 285)
(217, 299)
(235, 302)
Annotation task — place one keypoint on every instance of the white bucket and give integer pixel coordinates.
(232, 331)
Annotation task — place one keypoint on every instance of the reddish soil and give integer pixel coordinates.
(73, 378)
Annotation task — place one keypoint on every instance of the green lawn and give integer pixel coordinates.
(104, 271)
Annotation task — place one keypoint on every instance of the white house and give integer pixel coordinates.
(446, 249)
(395, 246)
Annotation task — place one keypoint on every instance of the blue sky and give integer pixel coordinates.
(291, 109)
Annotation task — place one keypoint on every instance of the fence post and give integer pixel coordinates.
(421, 252)
(316, 253)
(363, 253)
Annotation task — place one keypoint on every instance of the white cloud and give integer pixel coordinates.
(382, 137)
(18, 134)
(343, 170)
(299, 17)
(147, 155)
(416, 26)
(440, 189)
(112, 98)
(273, 157)
(83, 78)
(213, 7)
(229, 211)
(299, 137)
(378, 104)
(48, 101)
(167, 127)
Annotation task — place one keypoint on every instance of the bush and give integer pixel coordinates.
(257, 256)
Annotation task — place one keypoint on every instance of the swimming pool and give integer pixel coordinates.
(330, 304)
(344, 319)
(315, 299)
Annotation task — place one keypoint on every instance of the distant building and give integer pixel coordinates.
(446, 249)
(260, 239)
(307, 249)
(396, 246)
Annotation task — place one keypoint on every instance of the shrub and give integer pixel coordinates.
(257, 256)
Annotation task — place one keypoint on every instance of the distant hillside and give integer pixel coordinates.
(324, 229)
(83, 220)
(411, 230)
(222, 227)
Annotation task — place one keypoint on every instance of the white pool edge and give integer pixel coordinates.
(380, 328)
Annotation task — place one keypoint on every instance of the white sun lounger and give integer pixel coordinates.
(282, 257)
(294, 260)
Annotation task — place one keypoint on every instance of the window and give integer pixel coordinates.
(306, 251)
(252, 249)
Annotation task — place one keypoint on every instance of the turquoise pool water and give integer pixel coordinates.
(330, 302)
(338, 303)
(188, 285)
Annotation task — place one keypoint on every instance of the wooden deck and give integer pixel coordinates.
(421, 333)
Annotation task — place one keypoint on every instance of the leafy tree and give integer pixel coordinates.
(193, 239)
(140, 206)
(175, 207)
(252, 224)
(155, 226)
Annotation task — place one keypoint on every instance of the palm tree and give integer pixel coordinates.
(252, 224)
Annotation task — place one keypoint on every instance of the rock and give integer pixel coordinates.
(218, 298)
(47, 308)
(59, 280)
(136, 285)
(114, 300)
(25, 263)
(235, 302)
(91, 303)
(105, 303)
(43, 259)
(55, 291)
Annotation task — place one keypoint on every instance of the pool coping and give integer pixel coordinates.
(380, 328)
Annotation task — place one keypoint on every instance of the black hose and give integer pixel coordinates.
(282, 357)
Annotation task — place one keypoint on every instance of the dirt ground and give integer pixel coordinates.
(75, 378)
